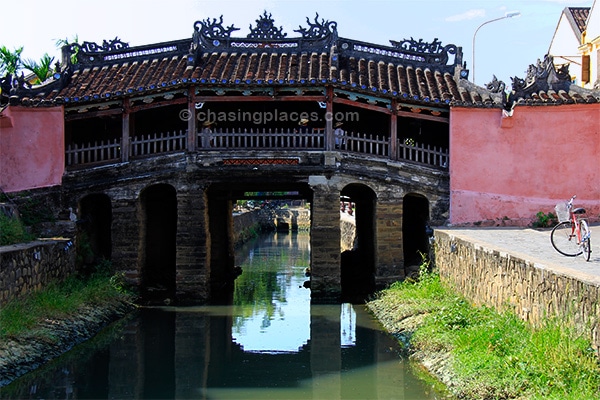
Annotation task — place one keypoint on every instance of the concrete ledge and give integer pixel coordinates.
(488, 274)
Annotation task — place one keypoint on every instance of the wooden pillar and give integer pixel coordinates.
(192, 127)
(125, 131)
(394, 130)
(330, 140)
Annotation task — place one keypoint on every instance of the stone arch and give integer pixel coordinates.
(158, 248)
(415, 225)
(358, 264)
(94, 223)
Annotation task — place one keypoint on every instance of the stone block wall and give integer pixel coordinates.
(28, 267)
(503, 281)
(348, 234)
(247, 224)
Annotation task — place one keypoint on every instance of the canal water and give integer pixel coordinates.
(270, 344)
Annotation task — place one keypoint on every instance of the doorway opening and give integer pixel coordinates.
(358, 263)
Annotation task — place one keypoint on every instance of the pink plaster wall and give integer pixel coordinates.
(517, 166)
(32, 150)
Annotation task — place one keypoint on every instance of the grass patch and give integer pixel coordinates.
(60, 300)
(497, 355)
(12, 230)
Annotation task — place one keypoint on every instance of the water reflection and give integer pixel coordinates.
(271, 307)
(276, 347)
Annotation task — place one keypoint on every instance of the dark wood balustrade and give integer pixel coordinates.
(278, 139)
(157, 143)
(365, 144)
(99, 151)
(108, 151)
(423, 154)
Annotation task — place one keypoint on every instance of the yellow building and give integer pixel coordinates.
(576, 41)
(590, 49)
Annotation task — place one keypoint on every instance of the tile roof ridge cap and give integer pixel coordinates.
(467, 84)
(584, 91)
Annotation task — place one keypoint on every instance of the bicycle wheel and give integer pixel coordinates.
(586, 245)
(564, 239)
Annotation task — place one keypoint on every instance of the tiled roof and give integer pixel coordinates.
(253, 69)
(413, 72)
(580, 16)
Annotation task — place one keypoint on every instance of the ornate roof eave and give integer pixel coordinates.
(211, 37)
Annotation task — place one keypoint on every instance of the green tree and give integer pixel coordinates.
(10, 61)
(41, 69)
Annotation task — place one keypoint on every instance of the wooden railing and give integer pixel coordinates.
(423, 154)
(365, 144)
(157, 143)
(255, 139)
(90, 153)
(279, 139)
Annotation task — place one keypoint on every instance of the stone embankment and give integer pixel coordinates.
(51, 338)
(248, 224)
(28, 267)
(402, 325)
(518, 270)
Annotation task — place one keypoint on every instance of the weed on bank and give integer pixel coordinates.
(61, 300)
(496, 355)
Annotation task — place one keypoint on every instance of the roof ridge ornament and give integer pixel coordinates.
(420, 46)
(265, 28)
(106, 46)
(318, 30)
(542, 76)
(212, 29)
(433, 53)
(496, 85)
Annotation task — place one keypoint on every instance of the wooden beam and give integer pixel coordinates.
(329, 139)
(357, 104)
(393, 131)
(191, 115)
(148, 106)
(422, 116)
(93, 114)
(211, 99)
(125, 131)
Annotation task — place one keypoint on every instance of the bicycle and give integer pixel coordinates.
(571, 236)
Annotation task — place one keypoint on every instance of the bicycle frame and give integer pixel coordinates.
(571, 236)
(575, 226)
(575, 231)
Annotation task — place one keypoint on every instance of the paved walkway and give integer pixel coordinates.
(534, 245)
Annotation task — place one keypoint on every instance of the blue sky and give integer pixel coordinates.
(504, 48)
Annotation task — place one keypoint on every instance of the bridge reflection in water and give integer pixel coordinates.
(272, 343)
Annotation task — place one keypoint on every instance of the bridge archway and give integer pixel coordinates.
(415, 211)
(358, 264)
(94, 228)
(158, 248)
(221, 197)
